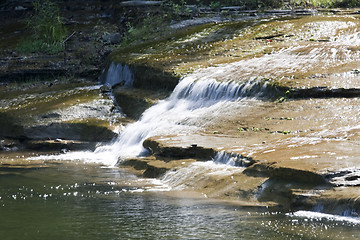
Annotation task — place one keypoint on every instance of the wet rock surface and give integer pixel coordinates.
(134, 101)
(304, 144)
(63, 116)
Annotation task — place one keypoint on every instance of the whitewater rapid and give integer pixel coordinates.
(192, 98)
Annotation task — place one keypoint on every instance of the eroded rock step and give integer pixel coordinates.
(265, 187)
(59, 145)
(134, 101)
(78, 116)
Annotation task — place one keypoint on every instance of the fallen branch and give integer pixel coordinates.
(65, 45)
(69, 37)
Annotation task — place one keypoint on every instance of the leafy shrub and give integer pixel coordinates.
(148, 29)
(47, 29)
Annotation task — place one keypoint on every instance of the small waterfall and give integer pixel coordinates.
(118, 74)
(189, 99)
(206, 92)
(232, 159)
(192, 98)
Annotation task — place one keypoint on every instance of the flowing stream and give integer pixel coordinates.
(81, 195)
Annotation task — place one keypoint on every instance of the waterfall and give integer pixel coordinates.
(232, 159)
(118, 74)
(192, 98)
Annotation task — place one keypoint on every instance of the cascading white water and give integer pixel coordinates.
(119, 74)
(225, 158)
(231, 159)
(192, 98)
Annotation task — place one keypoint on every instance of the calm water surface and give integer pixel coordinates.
(72, 200)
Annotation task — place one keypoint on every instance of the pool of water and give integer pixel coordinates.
(74, 200)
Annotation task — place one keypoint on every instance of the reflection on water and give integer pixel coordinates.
(83, 201)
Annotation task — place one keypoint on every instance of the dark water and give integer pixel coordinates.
(82, 201)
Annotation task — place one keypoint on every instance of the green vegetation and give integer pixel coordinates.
(149, 28)
(46, 28)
